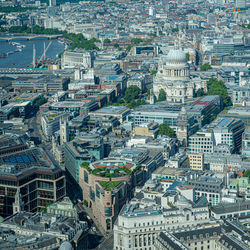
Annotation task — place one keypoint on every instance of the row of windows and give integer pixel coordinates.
(147, 224)
(234, 215)
(200, 139)
(8, 183)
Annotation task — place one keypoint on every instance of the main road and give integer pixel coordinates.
(34, 124)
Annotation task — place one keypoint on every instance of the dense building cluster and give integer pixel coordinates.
(137, 136)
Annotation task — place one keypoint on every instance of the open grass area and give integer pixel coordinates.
(109, 184)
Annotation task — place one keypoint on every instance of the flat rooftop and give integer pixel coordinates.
(134, 210)
(231, 207)
(112, 110)
(159, 108)
(10, 142)
(18, 162)
(171, 171)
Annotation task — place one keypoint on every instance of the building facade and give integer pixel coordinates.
(35, 175)
(106, 186)
(71, 59)
(84, 148)
(50, 123)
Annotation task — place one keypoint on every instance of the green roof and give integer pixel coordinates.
(109, 184)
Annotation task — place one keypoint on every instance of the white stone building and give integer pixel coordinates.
(174, 77)
(80, 58)
(143, 219)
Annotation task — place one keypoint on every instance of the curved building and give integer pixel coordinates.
(106, 186)
(173, 77)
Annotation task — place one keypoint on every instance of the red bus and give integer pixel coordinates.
(79, 202)
(89, 219)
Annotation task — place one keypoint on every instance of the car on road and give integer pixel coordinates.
(93, 229)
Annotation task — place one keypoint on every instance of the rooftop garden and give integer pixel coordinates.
(137, 168)
(108, 185)
(50, 116)
(111, 172)
(86, 165)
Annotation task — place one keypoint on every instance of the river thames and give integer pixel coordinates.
(20, 51)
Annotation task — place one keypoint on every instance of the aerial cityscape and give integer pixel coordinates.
(125, 125)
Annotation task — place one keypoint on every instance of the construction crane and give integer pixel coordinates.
(34, 56)
(45, 49)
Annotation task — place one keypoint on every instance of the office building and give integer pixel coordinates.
(146, 129)
(151, 212)
(84, 148)
(220, 133)
(196, 161)
(242, 113)
(138, 80)
(246, 142)
(222, 236)
(77, 58)
(151, 11)
(204, 108)
(229, 132)
(25, 230)
(201, 142)
(7, 111)
(106, 186)
(155, 113)
(50, 84)
(240, 4)
(119, 112)
(11, 144)
(76, 108)
(34, 175)
(231, 210)
(149, 159)
(207, 186)
(211, 19)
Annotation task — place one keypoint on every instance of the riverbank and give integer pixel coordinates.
(24, 57)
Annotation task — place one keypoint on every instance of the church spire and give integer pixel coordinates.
(18, 205)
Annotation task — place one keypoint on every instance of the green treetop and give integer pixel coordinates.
(206, 67)
(162, 96)
(164, 129)
(131, 93)
(217, 87)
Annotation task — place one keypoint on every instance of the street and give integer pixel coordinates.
(34, 124)
(97, 239)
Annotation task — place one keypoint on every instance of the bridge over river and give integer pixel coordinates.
(28, 37)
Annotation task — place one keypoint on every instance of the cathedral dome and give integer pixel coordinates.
(66, 246)
(176, 56)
